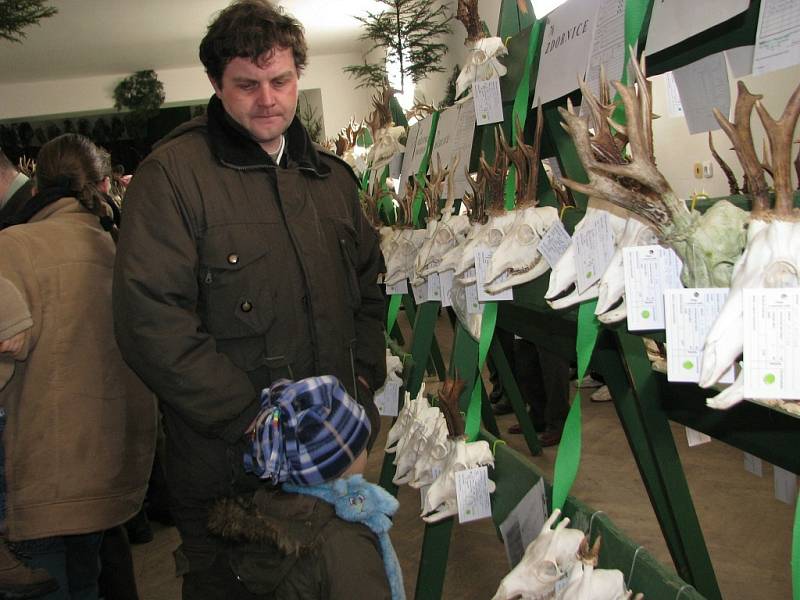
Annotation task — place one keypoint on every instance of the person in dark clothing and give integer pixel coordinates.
(244, 258)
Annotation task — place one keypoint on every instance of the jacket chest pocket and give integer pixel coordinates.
(236, 290)
(346, 254)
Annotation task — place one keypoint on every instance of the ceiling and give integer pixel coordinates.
(105, 37)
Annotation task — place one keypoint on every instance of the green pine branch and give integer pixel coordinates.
(16, 15)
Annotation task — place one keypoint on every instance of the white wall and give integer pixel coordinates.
(94, 94)
(676, 150)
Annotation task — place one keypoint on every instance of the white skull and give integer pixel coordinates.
(489, 235)
(611, 290)
(452, 257)
(440, 501)
(518, 253)
(587, 583)
(444, 235)
(553, 553)
(409, 452)
(482, 63)
(400, 263)
(432, 458)
(385, 147)
(771, 259)
(563, 289)
(405, 418)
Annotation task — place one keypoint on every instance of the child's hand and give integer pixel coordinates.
(13, 344)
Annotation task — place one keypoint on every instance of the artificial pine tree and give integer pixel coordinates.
(16, 15)
(408, 30)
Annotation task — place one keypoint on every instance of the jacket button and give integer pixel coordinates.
(233, 258)
(246, 306)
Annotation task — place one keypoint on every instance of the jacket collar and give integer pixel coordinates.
(234, 148)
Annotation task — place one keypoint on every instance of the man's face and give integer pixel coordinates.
(261, 96)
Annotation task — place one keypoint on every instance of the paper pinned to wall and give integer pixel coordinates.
(740, 60)
(674, 106)
(608, 47)
(565, 50)
(453, 141)
(703, 85)
(677, 20)
(777, 36)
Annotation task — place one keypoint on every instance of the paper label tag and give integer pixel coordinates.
(554, 243)
(753, 464)
(472, 494)
(471, 293)
(446, 284)
(387, 399)
(488, 101)
(689, 314)
(420, 292)
(434, 288)
(772, 343)
(483, 260)
(397, 288)
(649, 271)
(785, 485)
(594, 245)
(524, 522)
(696, 438)
(777, 36)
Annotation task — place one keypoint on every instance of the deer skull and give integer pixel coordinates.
(518, 254)
(440, 501)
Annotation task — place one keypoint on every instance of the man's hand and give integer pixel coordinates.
(13, 344)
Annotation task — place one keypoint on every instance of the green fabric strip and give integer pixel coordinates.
(488, 322)
(569, 455)
(365, 180)
(635, 13)
(520, 112)
(419, 199)
(394, 309)
(796, 554)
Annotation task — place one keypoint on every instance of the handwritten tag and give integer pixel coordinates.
(753, 464)
(434, 288)
(696, 438)
(649, 271)
(554, 243)
(524, 522)
(785, 485)
(397, 288)
(488, 102)
(772, 343)
(446, 284)
(689, 315)
(472, 494)
(594, 245)
(420, 292)
(387, 399)
(471, 292)
(483, 261)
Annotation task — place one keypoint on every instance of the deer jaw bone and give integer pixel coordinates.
(770, 260)
(612, 283)
(440, 501)
(552, 553)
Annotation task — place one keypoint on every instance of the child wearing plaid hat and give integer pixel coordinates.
(324, 533)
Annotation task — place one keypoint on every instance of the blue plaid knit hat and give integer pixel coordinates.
(307, 432)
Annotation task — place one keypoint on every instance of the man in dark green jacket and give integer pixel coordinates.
(244, 258)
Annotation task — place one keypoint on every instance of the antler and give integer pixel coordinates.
(495, 175)
(467, 13)
(741, 137)
(419, 111)
(369, 204)
(381, 115)
(637, 185)
(476, 202)
(780, 134)
(447, 209)
(733, 185)
(531, 154)
(406, 201)
(448, 403)
(433, 190)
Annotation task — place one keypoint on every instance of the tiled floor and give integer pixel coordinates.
(748, 532)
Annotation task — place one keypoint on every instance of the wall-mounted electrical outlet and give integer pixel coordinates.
(708, 169)
(698, 170)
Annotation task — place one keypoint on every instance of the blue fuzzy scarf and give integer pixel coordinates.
(359, 501)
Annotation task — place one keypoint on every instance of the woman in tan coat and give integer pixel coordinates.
(80, 430)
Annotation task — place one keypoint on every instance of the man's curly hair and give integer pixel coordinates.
(248, 29)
